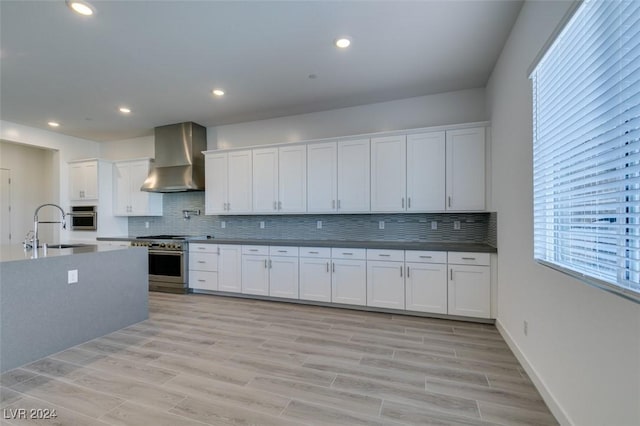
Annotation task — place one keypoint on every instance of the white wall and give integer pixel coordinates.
(32, 184)
(433, 110)
(128, 149)
(65, 148)
(583, 344)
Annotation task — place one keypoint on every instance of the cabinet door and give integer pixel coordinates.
(122, 190)
(426, 287)
(315, 279)
(385, 284)
(76, 182)
(90, 171)
(322, 177)
(349, 282)
(240, 172)
(283, 277)
(426, 159)
(353, 176)
(255, 274)
(230, 268)
(470, 291)
(216, 183)
(465, 169)
(203, 280)
(140, 201)
(265, 180)
(388, 174)
(292, 179)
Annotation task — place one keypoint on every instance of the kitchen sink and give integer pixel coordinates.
(65, 246)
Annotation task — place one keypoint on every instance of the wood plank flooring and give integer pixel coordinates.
(212, 360)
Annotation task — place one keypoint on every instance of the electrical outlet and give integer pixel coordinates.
(262, 224)
(72, 276)
(223, 224)
(525, 327)
(456, 225)
(319, 224)
(146, 225)
(434, 225)
(381, 224)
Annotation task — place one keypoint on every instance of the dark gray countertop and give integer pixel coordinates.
(390, 245)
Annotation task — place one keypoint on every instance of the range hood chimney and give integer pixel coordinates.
(179, 162)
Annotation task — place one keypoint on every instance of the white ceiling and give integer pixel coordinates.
(162, 58)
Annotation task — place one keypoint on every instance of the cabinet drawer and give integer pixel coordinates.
(315, 252)
(204, 280)
(283, 251)
(203, 261)
(348, 253)
(264, 250)
(425, 256)
(203, 248)
(390, 255)
(466, 258)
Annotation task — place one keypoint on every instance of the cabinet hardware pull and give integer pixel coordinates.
(265, 264)
(201, 248)
(334, 266)
(327, 266)
(269, 263)
(283, 251)
(348, 254)
(275, 205)
(401, 268)
(253, 249)
(279, 205)
(426, 257)
(313, 252)
(201, 261)
(403, 202)
(384, 255)
(451, 274)
(468, 258)
(409, 202)
(408, 272)
(201, 281)
(338, 204)
(218, 251)
(333, 204)
(449, 201)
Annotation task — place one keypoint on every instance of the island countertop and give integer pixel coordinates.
(15, 252)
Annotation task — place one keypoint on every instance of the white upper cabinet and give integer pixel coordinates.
(466, 169)
(354, 176)
(280, 180)
(83, 180)
(426, 172)
(388, 174)
(228, 182)
(292, 179)
(129, 200)
(265, 180)
(322, 177)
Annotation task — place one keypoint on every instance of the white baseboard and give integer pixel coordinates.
(555, 408)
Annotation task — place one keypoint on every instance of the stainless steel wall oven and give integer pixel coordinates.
(84, 218)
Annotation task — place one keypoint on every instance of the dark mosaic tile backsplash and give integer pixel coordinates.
(474, 227)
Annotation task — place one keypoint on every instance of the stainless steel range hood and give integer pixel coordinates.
(179, 162)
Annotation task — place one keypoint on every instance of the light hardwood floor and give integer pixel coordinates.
(203, 359)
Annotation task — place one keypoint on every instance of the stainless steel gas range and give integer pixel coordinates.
(168, 262)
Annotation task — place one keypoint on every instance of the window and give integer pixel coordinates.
(586, 148)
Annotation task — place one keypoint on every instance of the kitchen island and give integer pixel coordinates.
(42, 313)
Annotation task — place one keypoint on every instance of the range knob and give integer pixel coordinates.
(162, 244)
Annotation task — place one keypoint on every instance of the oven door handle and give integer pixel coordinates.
(166, 252)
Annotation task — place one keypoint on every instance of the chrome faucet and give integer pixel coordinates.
(36, 222)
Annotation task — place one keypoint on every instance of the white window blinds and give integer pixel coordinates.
(586, 148)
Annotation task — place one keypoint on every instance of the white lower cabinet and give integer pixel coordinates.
(349, 276)
(203, 267)
(385, 278)
(426, 281)
(469, 286)
(255, 274)
(230, 268)
(283, 272)
(315, 274)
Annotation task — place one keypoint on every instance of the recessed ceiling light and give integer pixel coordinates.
(343, 42)
(124, 110)
(53, 124)
(81, 7)
(218, 92)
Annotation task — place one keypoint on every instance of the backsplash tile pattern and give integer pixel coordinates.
(474, 227)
